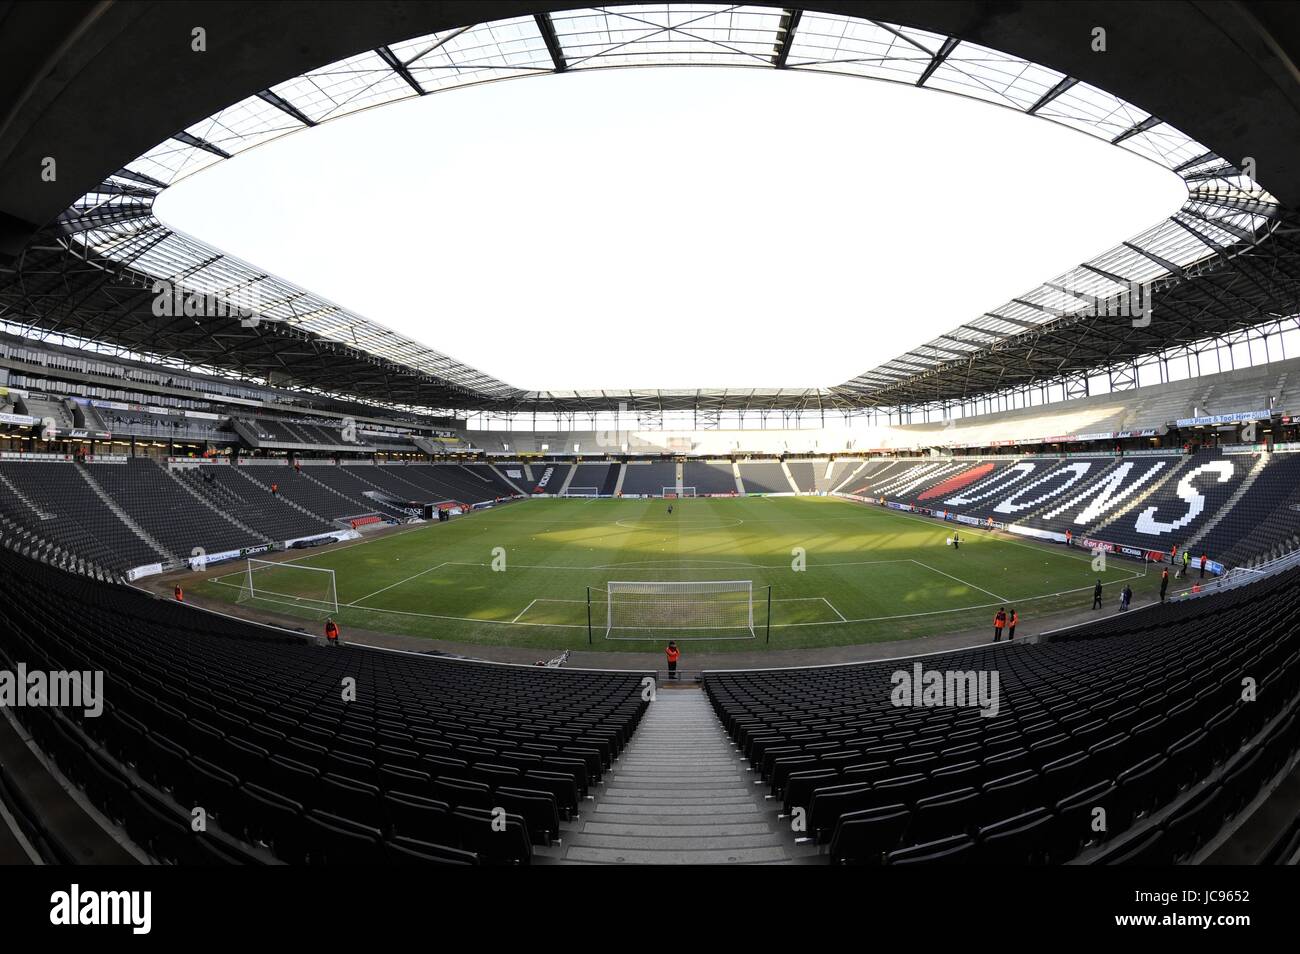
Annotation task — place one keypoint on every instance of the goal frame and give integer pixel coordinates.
(750, 630)
(326, 607)
(581, 492)
(671, 493)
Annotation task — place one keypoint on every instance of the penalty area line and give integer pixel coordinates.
(960, 580)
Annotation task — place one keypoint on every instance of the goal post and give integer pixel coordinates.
(707, 609)
(307, 588)
(582, 492)
(671, 492)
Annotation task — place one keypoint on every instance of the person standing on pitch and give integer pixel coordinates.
(956, 541)
(1096, 596)
(1164, 583)
(673, 654)
(999, 620)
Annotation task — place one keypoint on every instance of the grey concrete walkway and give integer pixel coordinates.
(679, 795)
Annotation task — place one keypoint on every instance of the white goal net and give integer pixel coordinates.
(715, 609)
(672, 492)
(281, 585)
(582, 492)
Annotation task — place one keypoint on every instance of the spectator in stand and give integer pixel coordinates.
(275, 489)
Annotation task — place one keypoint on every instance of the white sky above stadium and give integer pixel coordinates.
(675, 228)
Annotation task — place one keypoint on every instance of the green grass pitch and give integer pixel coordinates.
(867, 573)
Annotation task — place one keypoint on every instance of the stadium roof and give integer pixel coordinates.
(1227, 259)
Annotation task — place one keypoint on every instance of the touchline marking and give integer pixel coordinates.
(960, 580)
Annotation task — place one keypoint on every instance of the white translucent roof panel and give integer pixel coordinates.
(172, 160)
(489, 51)
(862, 48)
(977, 71)
(1093, 111)
(344, 87)
(244, 125)
(659, 34)
(1164, 144)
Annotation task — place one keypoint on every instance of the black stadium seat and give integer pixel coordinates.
(1130, 715)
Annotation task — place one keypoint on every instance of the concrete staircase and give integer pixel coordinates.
(1132, 504)
(244, 472)
(166, 555)
(184, 485)
(785, 469)
(1230, 503)
(679, 794)
(508, 482)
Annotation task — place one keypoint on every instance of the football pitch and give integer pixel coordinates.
(838, 573)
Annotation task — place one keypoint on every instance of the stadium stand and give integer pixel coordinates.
(1143, 716)
(231, 490)
(496, 486)
(54, 501)
(160, 504)
(804, 474)
(349, 482)
(649, 478)
(709, 477)
(590, 476)
(763, 477)
(316, 497)
(246, 721)
(555, 475)
(1261, 513)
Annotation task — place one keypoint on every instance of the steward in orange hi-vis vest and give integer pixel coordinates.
(673, 654)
